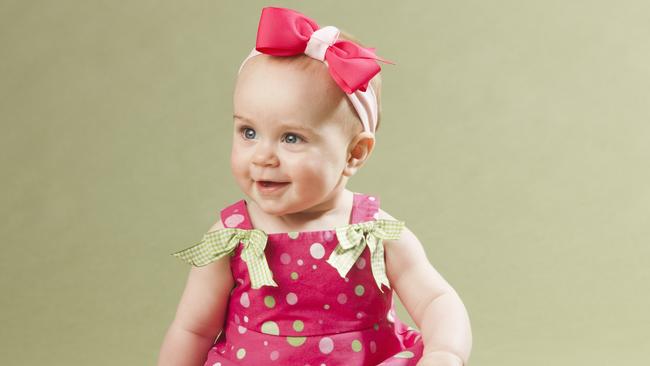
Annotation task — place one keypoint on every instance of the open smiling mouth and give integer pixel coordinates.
(268, 186)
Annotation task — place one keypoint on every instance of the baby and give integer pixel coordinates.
(303, 271)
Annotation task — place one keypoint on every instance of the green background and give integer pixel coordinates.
(521, 131)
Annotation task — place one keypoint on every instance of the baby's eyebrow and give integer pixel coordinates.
(282, 125)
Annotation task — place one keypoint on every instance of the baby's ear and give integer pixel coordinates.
(359, 151)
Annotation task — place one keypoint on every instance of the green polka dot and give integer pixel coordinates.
(293, 234)
(376, 326)
(405, 354)
(296, 341)
(359, 290)
(294, 275)
(270, 327)
(241, 353)
(356, 345)
(269, 301)
(298, 326)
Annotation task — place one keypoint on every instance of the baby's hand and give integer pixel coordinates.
(440, 358)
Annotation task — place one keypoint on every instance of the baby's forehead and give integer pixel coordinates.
(290, 88)
(300, 72)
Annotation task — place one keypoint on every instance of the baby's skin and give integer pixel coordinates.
(296, 141)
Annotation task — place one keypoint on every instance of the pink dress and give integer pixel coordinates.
(314, 317)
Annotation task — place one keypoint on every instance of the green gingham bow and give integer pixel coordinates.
(353, 239)
(216, 244)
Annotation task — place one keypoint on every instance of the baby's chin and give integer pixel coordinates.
(273, 206)
(275, 212)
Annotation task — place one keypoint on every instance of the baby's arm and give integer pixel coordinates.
(433, 304)
(200, 314)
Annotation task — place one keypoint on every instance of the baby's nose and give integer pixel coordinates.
(265, 155)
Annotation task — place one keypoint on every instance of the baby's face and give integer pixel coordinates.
(289, 130)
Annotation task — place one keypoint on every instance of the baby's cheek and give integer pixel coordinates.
(304, 170)
(322, 172)
(239, 168)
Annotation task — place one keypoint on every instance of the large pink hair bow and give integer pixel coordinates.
(286, 32)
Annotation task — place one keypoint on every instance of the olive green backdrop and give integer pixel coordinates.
(521, 130)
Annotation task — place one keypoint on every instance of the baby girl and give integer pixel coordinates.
(303, 270)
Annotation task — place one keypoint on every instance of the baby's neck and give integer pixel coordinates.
(329, 214)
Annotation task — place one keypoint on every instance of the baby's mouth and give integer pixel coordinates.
(271, 184)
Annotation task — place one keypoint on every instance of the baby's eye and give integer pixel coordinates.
(248, 133)
(292, 138)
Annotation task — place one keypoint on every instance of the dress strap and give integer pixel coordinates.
(365, 208)
(236, 216)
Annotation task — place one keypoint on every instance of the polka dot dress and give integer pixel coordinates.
(314, 317)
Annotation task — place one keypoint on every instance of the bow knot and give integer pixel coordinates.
(320, 41)
(218, 243)
(355, 237)
(286, 32)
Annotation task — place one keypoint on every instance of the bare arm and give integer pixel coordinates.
(200, 314)
(429, 299)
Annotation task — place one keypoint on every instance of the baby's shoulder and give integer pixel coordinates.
(381, 214)
(407, 237)
(216, 226)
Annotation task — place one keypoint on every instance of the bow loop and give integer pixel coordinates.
(283, 32)
(355, 237)
(218, 243)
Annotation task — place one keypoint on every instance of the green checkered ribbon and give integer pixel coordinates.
(216, 244)
(354, 238)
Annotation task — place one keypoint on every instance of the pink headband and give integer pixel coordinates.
(286, 32)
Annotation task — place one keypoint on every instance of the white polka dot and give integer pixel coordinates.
(361, 263)
(371, 198)
(274, 355)
(326, 306)
(300, 262)
(360, 315)
(244, 300)
(234, 220)
(241, 329)
(245, 319)
(266, 343)
(373, 347)
(347, 279)
(342, 298)
(314, 266)
(241, 281)
(285, 258)
(237, 321)
(317, 250)
(216, 364)
(326, 345)
(328, 236)
(292, 298)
